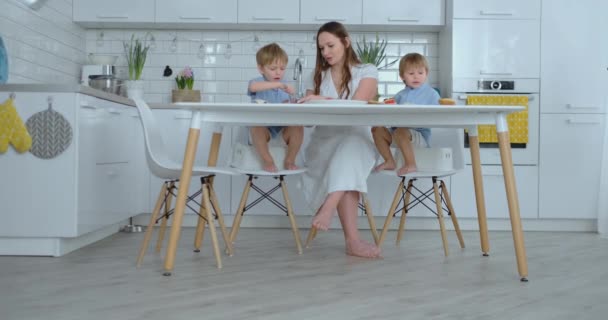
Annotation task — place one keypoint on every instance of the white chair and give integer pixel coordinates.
(163, 167)
(440, 138)
(249, 165)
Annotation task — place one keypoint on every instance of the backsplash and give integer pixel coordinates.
(43, 46)
(224, 61)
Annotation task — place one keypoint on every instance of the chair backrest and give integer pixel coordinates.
(450, 138)
(155, 148)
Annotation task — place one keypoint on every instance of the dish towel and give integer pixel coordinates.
(517, 122)
(12, 129)
(3, 63)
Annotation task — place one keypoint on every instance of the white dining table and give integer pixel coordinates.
(354, 113)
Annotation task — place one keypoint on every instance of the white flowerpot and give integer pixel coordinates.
(135, 89)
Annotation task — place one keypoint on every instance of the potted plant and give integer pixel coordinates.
(136, 52)
(373, 52)
(184, 92)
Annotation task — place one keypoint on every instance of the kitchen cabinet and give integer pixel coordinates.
(344, 11)
(196, 11)
(496, 49)
(269, 11)
(497, 9)
(404, 12)
(570, 162)
(113, 11)
(526, 179)
(574, 63)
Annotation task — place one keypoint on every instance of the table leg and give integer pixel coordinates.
(504, 144)
(479, 194)
(184, 184)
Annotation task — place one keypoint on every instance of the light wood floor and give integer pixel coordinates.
(266, 279)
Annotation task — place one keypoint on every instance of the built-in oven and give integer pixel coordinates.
(523, 128)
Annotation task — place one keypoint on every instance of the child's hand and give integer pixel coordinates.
(289, 89)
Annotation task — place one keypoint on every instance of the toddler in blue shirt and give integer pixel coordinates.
(413, 70)
(270, 87)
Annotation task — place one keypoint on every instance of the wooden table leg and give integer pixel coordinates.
(504, 144)
(184, 184)
(479, 194)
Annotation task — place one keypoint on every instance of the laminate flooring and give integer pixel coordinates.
(267, 279)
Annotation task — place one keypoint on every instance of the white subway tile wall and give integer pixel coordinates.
(222, 74)
(43, 46)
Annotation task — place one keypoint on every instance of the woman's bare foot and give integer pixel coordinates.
(405, 170)
(269, 166)
(290, 165)
(363, 249)
(322, 220)
(386, 165)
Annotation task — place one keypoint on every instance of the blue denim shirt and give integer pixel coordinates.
(424, 94)
(270, 96)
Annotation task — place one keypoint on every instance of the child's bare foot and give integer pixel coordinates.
(405, 170)
(322, 219)
(290, 165)
(386, 165)
(364, 249)
(269, 166)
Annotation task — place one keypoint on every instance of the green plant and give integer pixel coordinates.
(185, 79)
(373, 52)
(136, 52)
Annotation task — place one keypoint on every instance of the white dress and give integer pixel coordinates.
(339, 158)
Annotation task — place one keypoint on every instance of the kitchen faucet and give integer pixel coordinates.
(297, 75)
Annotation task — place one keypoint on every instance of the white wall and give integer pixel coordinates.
(43, 45)
(223, 78)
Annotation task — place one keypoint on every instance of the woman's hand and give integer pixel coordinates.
(312, 97)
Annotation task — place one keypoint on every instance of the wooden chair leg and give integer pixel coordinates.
(211, 224)
(439, 206)
(200, 224)
(391, 212)
(406, 202)
(312, 233)
(220, 218)
(452, 214)
(163, 224)
(370, 218)
(239, 213)
(292, 219)
(150, 228)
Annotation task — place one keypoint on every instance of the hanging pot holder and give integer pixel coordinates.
(51, 133)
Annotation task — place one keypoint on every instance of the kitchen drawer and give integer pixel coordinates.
(404, 12)
(343, 11)
(269, 11)
(196, 11)
(463, 192)
(113, 11)
(503, 49)
(497, 9)
(105, 133)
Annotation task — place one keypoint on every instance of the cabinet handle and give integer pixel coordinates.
(400, 19)
(569, 106)
(329, 19)
(268, 18)
(570, 121)
(485, 73)
(114, 111)
(112, 17)
(494, 13)
(195, 18)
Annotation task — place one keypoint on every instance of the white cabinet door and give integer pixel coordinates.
(574, 64)
(570, 160)
(196, 11)
(404, 12)
(269, 11)
(113, 11)
(526, 180)
(496, 48)
(497, 9)
(344, 11)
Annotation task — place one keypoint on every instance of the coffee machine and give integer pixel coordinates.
(95, 70)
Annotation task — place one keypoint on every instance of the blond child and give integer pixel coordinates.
(413, 70)
(270, 87)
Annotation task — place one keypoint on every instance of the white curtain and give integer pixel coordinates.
(602, 206)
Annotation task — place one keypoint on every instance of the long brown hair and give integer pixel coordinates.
(350, 58)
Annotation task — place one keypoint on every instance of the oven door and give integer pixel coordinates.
(523, 153)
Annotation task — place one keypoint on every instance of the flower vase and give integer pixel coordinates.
(135, 89)
(185, 95)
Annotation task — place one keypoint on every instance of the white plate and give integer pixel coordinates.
(337, 101)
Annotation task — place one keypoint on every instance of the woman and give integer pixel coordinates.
(339, 159)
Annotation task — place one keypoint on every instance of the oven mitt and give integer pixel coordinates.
(12, 129)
